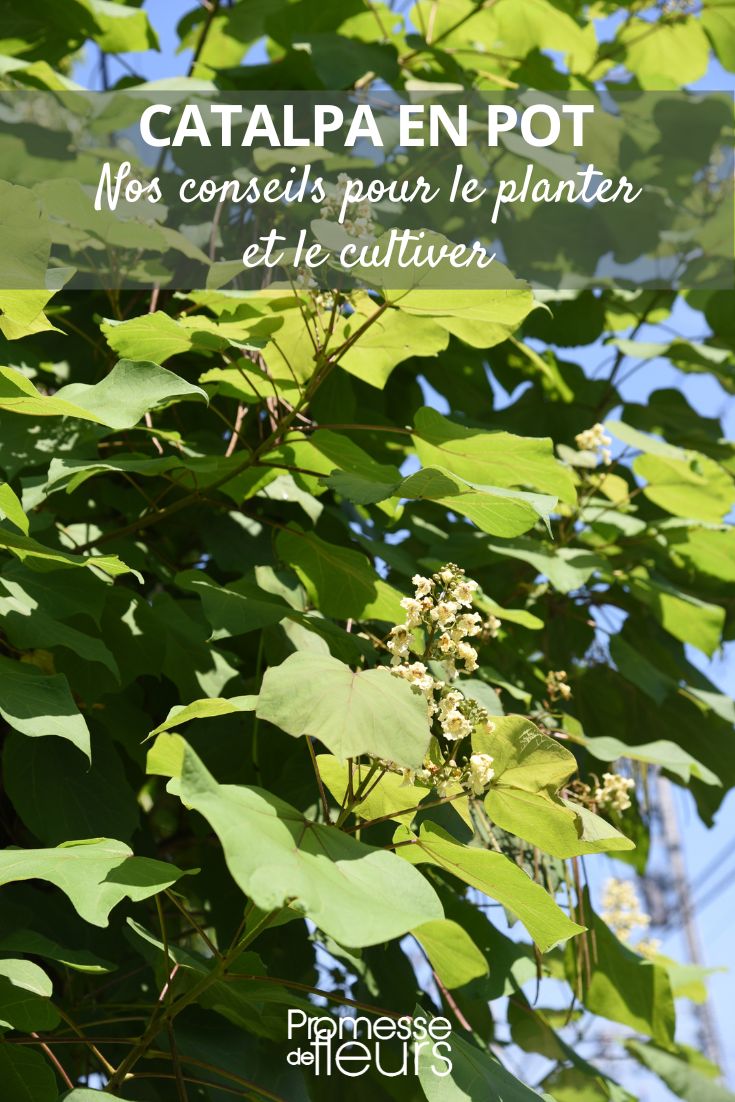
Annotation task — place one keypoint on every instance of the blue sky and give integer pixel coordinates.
(706, 396)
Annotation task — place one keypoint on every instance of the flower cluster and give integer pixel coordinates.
(595, 439)
(622, 909)
(677, 7)
(474, 776)
(556, 685)
(441, 777)
(359, 221)
(648, 946)
(438, 607)
(440, 615)
(613, 792)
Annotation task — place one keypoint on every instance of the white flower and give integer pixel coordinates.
(492, 626)
(481, 773)
(450, 701)
(469, 623)
(622, 909)
(418, 677)
(614, 791)
(444, 612)
(423, 585)
(445, 644)
(595, 439)
(468, 655)
(413, 609)
(455, 726)
(446, 575)
(399, 642)
(463, 591)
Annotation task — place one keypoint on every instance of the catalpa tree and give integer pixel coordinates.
(343, 632)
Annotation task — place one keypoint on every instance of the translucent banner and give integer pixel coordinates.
(138, 189)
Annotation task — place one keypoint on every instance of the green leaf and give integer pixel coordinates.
(96, 801)
(25, 243)
(451, 951)
(707, 551)
(204, 709)
(391, 796)
(642, 441)
(21, 315)
(518, 616)
(11, 508)
(688, 981)
(39, 705)
(235, 609)
(29, 941)
(495, 510)
(491, 458)
(341, 582)
(28, 627)
(566, 567)
(475, 1077)
(25, 1076)
(388, 341)
(18, 395)
(495, 875)
(352, 713)
(694, 487)
(357, 475)
(543, 26)
(24, 547)
(718, 20)
(626, 988)
(635, 667)
(661, 752)
(151, 337)
(356, 894)
(481, 318)
(95, 874)
(525, 758)
(25, 994)
(556, 826)
(529, 769)
(123, 30)
(667, 54)
(85, 1094)
(678, 1072)
(684, 616)
(132, 389)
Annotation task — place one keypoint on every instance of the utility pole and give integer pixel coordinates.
(682, 892)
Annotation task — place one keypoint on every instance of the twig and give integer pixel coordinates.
(319, 781)
(211, 13)
(241, 411)
(55, 1061)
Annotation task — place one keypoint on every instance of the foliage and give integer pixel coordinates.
(245, 534)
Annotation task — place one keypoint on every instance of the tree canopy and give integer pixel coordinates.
(341, 633)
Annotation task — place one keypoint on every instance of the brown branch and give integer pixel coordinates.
(55, 1061)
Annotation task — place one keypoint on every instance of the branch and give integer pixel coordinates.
(211, 13)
